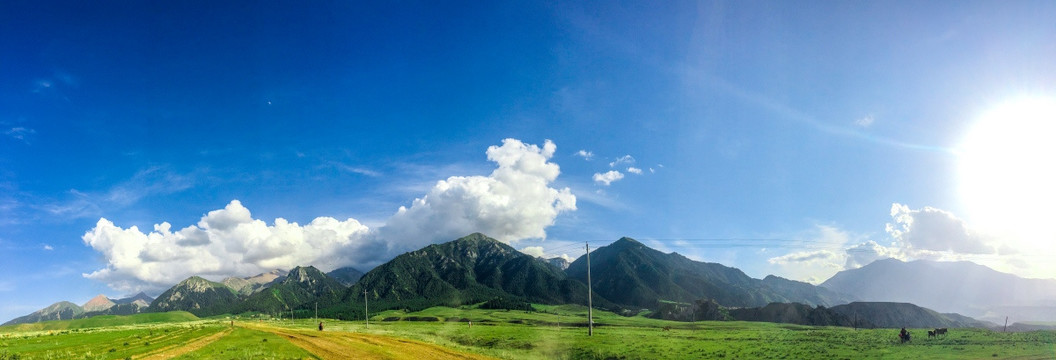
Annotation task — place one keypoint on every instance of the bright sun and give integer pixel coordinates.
(1007, 166)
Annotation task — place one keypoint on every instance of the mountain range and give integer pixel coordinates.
(961, 287)
(99, 305)
(629, 273)
(628, 277)
(253, 284)
(472, 269)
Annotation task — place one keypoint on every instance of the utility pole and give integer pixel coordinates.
(590, 297)
(366, 311)
(1006, 325)
(316, 318)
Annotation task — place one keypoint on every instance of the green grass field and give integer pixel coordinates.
(554, 332)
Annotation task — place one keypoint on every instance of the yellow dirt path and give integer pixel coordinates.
(345, 345)
(180, 349)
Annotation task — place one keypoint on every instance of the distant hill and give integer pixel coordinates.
(897, 315)
(629, 273)
(249, 285)
(63, 310)
(472, 269)
(98, 303)
(141, 300)
(961, 287)
(104, 320)
(347, 276)
(795, 313)
(198, 296)
(302, 286)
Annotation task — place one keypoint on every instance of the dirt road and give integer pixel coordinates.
(180, 349)
(344, 345)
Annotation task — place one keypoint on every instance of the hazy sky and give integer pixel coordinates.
(143, 142)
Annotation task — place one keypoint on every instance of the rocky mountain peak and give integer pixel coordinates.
(98, 303)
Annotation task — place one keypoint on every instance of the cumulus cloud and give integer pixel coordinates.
(225, 242)
(608, 178)
(538, 251)
(869, 251)
(626, 159)
(48, 247)
(634, 170)
(586, 155)
(931, 229)
(514, 202)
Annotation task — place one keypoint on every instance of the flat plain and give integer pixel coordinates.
(551, 332)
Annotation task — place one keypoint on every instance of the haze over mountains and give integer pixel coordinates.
(962, 287)
(627, 276)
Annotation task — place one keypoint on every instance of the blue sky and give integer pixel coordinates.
(795, 139)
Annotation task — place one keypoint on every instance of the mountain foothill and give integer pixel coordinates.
(627, 277)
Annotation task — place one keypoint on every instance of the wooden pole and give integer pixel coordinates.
(366, 312)
(1006, 325)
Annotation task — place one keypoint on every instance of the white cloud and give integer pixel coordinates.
(869, 251)
(819, 255)
(514, 202)
(805, 256)
(536, 251)
(48, 247)
(932, 229)
(626, 159)
(865, 121)
(225, 242)
(356, 169)
(634, 170)
(608, 178)
(586, 155)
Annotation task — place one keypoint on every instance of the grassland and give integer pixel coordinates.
(554, 332)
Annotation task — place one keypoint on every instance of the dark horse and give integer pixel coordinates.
(931, 333)
(940, 331)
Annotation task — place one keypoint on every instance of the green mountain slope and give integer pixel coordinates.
(198, 296)
(629, 273)
(105, 320)
(63, 310)
(303, 286)
(472, 269)
(795, 313)
(346, 276)
(897, 315)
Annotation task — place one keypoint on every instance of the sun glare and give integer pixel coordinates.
(1007, 165)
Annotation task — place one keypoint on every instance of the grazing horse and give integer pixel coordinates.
(940, 331)
(931, 333)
